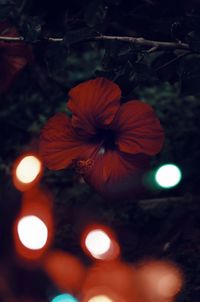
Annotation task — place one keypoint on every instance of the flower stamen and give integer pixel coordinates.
(84, 165)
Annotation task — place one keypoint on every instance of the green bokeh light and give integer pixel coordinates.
(168, 176)
(64, 298)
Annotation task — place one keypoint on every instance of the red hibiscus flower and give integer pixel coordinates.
(13, 57)
(109, 143)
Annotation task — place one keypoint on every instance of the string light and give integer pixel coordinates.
(33, 229)
(32, 232)
(168, 176)
(100, 243)
(27, 171)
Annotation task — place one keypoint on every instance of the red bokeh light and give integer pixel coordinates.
(36, 204)
(114, 280)
(65, 270)
(27, 171)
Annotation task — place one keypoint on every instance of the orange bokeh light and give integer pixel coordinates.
(100, 243)
(159, 279)
(27, 171)
(65, 270)
(114, 280)
(33, 228)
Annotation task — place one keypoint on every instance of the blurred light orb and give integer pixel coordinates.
(64, 298)
(160, 280)
(100, 298)
(97, 243)
(169, 285)
(28, 169)
(168, 176)
(32, 232)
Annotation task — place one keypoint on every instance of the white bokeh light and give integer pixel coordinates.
(28, 169)
(98, 243)
(100, 298)
(32, 232)
(168, 176)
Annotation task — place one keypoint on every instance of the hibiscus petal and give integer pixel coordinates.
(138, 129)
(94, 104)
(60, 145)
(117, 175)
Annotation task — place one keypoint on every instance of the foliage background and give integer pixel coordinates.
(169, 83)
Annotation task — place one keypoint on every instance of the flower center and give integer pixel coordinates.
(107, 137)
(105, 140)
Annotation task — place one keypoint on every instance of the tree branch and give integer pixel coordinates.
(146, 43)
(151, 203)
(151, 44)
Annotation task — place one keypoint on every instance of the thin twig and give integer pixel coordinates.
(11, 39)
(173, 60)
(152, 49)
(153, 45)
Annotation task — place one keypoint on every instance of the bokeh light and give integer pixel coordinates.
(113, 280)
(102, 294)
(168, 176)
(169, 285)
(33, 229)
(100, 298)
(159, 280)
(28, 169)
(65, 270)
(32, 232)
(100, 243)
(97, 242)
(64, 298)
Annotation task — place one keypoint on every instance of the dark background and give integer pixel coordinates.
(171, 85)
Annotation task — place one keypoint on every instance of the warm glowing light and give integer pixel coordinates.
(113, 279)
(98, 243)
(168, 176)
(65, 270)
(100, 298)
(32, 232)
(28, 169)
(169, 285)
(160, 280)
(64, 298)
